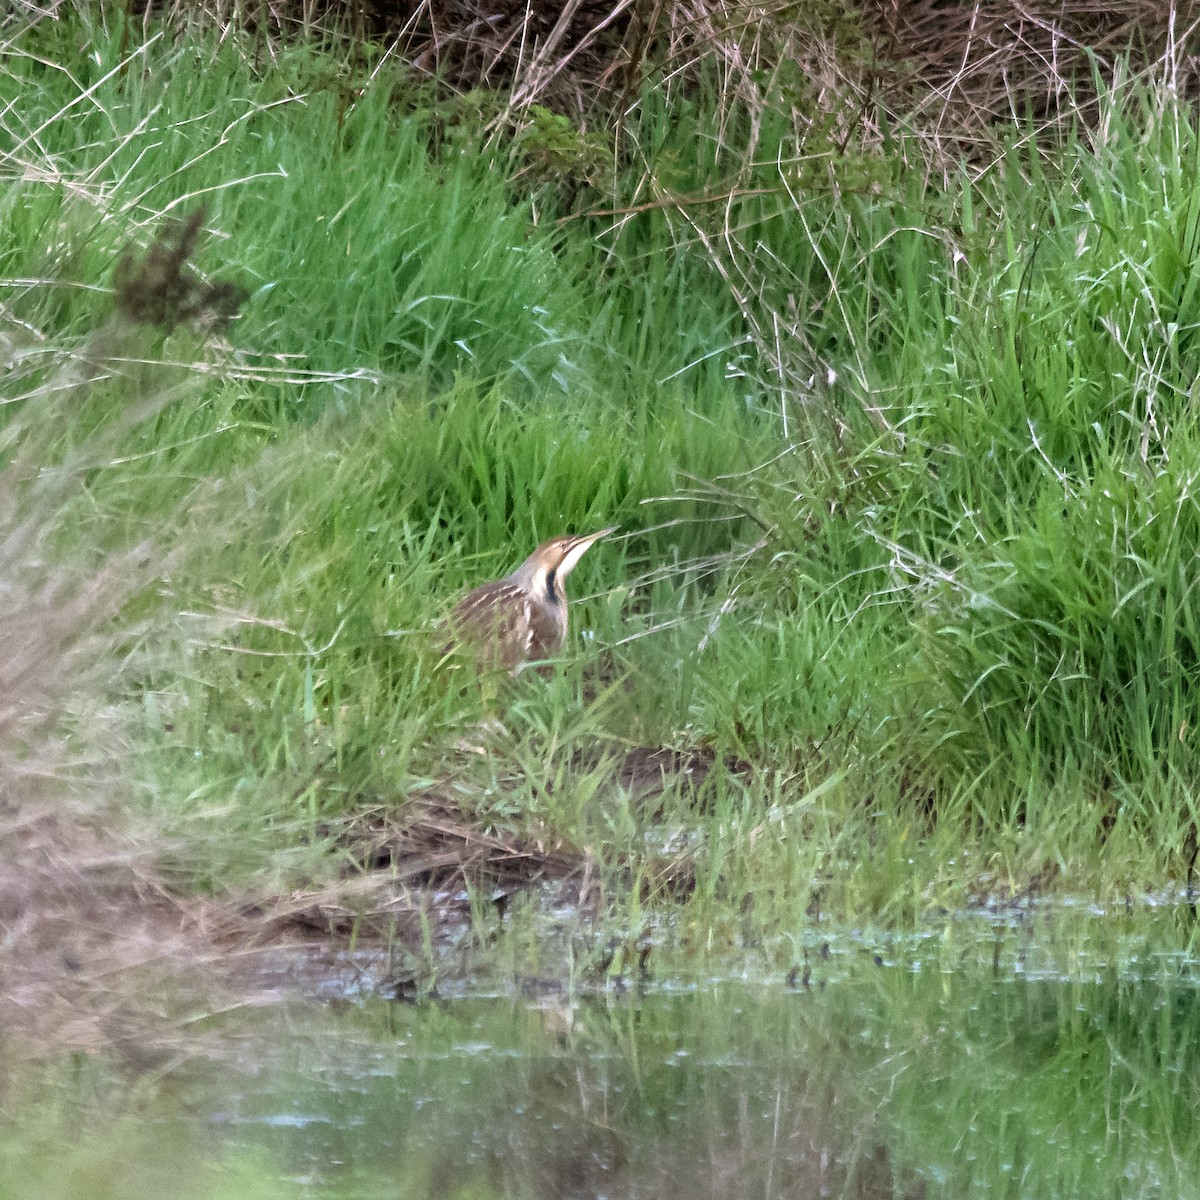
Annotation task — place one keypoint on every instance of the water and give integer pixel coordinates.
(998, 1055)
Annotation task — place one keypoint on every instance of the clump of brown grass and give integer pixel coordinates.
(411, 866)
(160, 288)
(950, 72)
(960, 73)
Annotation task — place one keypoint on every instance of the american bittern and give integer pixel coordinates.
(522, 617)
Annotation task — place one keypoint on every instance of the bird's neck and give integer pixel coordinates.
(544, 584)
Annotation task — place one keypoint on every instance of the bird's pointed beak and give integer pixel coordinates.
(578, 546)
(589, 538)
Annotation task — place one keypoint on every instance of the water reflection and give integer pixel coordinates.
(697, 1094)
(893, 1084)
(907, 1068)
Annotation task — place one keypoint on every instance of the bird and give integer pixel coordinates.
(521, 618)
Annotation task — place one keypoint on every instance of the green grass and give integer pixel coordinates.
(905, 473)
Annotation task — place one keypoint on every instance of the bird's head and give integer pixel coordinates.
(544, 571)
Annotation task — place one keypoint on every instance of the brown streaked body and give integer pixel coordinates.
(522, 617)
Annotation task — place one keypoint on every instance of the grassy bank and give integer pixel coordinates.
(903, 463)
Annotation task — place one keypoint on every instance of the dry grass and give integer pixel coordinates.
(962, 73)
(84, 917)
(76, 901)
(411, 866)
(88, 935)
(952, 72)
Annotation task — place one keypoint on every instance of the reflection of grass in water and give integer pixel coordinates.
(927, 1082)
(1053, 1090)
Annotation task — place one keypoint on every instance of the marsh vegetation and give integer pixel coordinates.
(887, 376)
